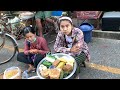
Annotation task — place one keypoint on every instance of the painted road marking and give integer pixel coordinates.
(91, 65)
(7, 47)
(11, 49)
(21, 50)
(104, 68)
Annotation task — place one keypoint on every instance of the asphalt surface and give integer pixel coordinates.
(104, 63)
(105, 52)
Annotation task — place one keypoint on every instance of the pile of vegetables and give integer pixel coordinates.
(54, 67)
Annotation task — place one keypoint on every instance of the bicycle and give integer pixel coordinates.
(8, 44)
(16, 24)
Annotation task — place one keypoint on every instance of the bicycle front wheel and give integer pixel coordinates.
(8, 50)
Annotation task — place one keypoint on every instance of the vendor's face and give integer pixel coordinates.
(66, 27)
(30, 37)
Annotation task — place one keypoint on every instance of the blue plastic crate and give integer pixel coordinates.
(57, 13)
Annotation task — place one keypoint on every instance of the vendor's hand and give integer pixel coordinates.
(33, 51)
(75, 49)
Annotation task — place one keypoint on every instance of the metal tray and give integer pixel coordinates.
(33, 77)
(70, 76)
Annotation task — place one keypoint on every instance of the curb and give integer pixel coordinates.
(106, 34)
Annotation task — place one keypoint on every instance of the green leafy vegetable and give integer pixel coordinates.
(50, 58)
(65, 74)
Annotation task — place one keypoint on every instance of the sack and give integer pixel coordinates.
(12, 73)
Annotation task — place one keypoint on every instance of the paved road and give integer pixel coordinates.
(104, 64)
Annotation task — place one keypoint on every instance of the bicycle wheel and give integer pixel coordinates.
(8, 50)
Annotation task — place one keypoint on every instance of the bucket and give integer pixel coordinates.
(87, 31)
(12, 73)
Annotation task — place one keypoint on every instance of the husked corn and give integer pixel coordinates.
(61, 64)
(63, 59)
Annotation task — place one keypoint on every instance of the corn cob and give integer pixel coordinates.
(60, 65)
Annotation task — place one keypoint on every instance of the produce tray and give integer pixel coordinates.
(59, 55)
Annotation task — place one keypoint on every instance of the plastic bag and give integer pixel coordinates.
(12, 73)
(25, 75)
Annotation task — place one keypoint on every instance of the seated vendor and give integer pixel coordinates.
(35, 49)
(70, 40)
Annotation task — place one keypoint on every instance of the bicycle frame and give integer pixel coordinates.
(4, 33)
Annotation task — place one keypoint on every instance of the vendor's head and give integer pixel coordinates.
(29, 34)
(66, 25)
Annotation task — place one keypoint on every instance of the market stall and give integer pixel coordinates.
(53, 66)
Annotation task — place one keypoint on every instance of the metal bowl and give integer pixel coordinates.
(34, 77)
(23, 15)
(70, 76)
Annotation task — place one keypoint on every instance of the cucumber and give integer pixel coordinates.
(47, 63)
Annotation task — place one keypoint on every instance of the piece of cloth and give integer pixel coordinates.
(32, 57)
(40, 44)
(80, 59)
(21, 57)
(43, 14)
(78, 38)
(69, 41)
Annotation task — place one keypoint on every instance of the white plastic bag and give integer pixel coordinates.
(11, 71)
(25, 75)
